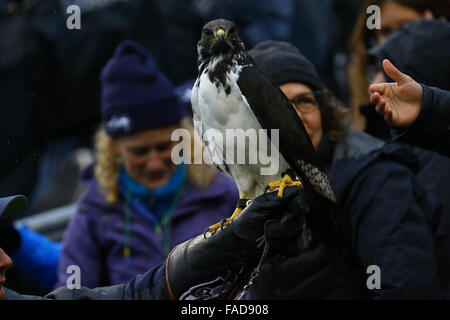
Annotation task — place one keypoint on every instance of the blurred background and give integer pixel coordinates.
(50, 89)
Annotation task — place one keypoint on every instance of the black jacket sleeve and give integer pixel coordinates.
(431, 129)
(390, 225)
(149, 286)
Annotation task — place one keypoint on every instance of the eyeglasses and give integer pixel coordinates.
(306, 102)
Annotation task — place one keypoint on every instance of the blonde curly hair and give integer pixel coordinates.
(108, 165)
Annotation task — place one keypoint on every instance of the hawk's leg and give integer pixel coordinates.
(286, 181)
(242, 203)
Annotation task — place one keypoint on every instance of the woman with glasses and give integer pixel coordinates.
(326, 120)
(390, 221)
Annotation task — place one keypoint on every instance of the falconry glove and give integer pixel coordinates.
(216, 265)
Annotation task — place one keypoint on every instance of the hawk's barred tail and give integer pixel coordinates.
(318, 180)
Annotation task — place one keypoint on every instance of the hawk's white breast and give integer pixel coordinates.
(220, 111)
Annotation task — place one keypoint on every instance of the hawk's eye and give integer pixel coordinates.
(231, 33)
(207, 33)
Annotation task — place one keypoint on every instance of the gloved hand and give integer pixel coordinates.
(284, 234)
(9, 237)
(313, 274)
(214, 266)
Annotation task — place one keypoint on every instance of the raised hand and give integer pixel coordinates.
(398, 102)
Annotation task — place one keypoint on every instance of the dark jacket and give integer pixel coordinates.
(431, 129)
(389, 219)
(147, 286)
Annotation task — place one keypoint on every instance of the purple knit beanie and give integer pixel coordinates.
(135, 95)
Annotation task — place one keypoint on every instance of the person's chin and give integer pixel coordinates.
(156, 183)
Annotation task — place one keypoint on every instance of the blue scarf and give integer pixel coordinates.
(152, 204)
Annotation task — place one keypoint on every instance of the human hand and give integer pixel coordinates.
(280, 220)
(230, 254)
(399, 103)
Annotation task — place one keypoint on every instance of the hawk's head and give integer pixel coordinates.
(219, 38)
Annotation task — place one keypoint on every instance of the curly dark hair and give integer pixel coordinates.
(336, 118)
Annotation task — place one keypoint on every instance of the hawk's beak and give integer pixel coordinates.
(220, 34)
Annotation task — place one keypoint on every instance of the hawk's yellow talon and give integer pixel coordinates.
(228, 220)
(286, 181)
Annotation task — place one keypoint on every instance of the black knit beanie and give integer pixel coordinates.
(283, 62)
(135, 94)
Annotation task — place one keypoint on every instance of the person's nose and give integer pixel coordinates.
(5, 262)
(303, 118)
(154, 161)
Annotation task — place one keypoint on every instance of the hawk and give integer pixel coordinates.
(231, 93)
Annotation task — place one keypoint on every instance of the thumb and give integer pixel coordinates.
(394, 73)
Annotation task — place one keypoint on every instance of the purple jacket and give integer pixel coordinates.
(94, 239)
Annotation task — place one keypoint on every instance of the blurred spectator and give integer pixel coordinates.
(381, 201)
(417, 114)
(35, 257)
(421, 49)
(49, 87)
(256, 20)
(8, 206)
(320, 29)
(33, 254)
(393, 13)
(138, 204)
(50, 91)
